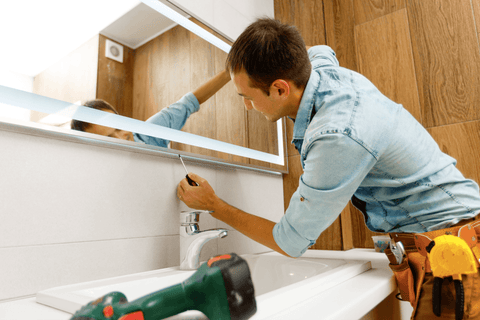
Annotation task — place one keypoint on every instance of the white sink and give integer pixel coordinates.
(280, 283)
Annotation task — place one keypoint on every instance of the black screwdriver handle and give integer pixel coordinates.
(190, 181)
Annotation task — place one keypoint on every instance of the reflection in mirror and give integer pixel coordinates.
(161, 63)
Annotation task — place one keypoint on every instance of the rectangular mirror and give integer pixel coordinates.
(162, 61)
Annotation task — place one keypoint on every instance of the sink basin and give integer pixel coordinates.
(279, 282)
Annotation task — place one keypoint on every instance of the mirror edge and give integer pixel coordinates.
(46, 131)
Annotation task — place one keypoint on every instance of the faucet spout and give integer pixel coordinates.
(192, 239)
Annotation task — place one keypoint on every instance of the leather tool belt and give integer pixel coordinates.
(448, 252)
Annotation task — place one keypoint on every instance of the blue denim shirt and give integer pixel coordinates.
(174, 116)
(355, 141)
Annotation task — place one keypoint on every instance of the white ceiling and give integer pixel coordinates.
(139, 25)
(35, 34)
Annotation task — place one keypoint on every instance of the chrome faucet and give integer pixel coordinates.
(192, 239)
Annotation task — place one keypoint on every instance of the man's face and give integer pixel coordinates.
(256, 98)
(109, 132)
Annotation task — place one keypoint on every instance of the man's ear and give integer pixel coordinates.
(280, 88)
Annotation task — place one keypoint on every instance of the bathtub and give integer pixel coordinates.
(281, 284)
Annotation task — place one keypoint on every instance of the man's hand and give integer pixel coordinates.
(200, 197)
(203, 197)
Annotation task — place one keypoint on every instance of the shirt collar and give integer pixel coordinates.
(304, 114)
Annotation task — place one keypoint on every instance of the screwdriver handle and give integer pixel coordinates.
(190, 181)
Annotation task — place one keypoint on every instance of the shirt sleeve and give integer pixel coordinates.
(321, 56)
(174, 116)
(335, 166)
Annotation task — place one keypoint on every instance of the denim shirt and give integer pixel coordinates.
(174, 116)
(355, 141)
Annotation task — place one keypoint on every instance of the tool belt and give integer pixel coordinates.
(448, 252)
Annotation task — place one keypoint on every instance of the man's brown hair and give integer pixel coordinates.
(97, 104)
(269, 50)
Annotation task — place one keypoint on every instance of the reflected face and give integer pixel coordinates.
(109, 132)
(255, 98)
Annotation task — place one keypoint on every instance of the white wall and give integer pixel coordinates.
(74, 212)
(16, 80)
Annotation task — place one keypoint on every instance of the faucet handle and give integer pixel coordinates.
(190, 217)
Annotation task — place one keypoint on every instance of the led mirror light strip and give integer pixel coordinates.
(31, 101)
(187, 24)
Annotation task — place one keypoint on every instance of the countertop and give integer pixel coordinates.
(351, 299)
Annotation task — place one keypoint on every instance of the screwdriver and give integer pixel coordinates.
(190, 181)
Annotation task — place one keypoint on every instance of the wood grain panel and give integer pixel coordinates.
(339, 15)
(461, 141)
(361, 235)
(329, 16)
(447, 60)
(305, 15)
(385, 57)
(289, 124)
(202, 66)
(347, 227)
(151, 77)
(331, 238)
(476, 12)
(367, 10)
(231, 118)
(179, 70)
(115, 79)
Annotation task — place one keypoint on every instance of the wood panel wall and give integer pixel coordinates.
(115, 79)
(422, 54)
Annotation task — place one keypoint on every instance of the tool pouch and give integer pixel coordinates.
(404, 276)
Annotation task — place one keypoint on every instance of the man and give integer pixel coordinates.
(174, 116)
(354, 144)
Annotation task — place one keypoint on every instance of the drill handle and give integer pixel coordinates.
(160, 304)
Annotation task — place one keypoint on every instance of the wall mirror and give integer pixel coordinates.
(163, 59)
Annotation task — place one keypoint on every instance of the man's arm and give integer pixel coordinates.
(203, 197)
(209, 88)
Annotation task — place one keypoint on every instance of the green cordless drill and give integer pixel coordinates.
(221, 288)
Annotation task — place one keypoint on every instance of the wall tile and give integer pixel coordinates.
(126, 193)
(74, 212)
(247, 192)
(27, 270)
